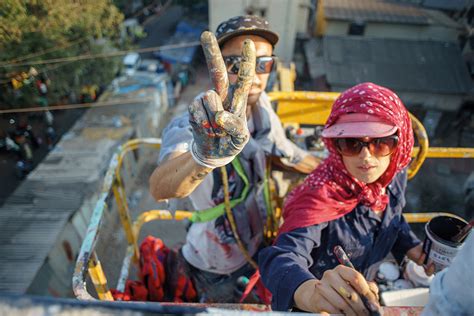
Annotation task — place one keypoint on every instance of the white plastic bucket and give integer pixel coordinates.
(438, 246)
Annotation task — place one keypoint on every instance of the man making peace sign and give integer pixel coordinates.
(234, 126)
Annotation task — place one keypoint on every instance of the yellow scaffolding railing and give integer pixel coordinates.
(309, 108)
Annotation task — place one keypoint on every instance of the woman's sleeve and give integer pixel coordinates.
(406, 239)
(285, 265)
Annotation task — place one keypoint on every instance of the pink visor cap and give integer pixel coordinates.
(358, 125)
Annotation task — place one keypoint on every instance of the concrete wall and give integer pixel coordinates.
(286, 17)
(94, 137)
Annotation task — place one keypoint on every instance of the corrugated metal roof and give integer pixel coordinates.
(423, 66)
(448, 4)
(375, 11)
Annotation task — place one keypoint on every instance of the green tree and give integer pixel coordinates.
(38, 30)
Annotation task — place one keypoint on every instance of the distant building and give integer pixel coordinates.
(383, 19)
(286, 17)
(428, 73)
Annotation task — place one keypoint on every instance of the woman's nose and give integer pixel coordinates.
(365, 152)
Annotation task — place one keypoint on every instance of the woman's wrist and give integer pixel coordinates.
(303, 294)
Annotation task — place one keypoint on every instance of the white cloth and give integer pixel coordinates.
(452, 290)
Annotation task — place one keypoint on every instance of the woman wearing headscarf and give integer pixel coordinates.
(354, 199)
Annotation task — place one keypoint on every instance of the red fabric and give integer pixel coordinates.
(330, 192)
(262, 292)
(162, 276)
(134, 291)
(179, 285)
(153, 254)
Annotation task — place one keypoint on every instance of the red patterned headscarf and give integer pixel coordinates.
(330, 191)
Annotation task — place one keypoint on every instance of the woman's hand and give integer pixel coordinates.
(417, 255)
(337, 292)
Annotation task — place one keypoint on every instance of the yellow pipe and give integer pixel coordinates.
(447, 152)
(98, 279)
(125, 220)
(422, 137)
(423, 217)
(119, 189)
(152, 215)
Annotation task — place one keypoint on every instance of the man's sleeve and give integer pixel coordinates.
(290, 152)
(285, 265)
(176, 137)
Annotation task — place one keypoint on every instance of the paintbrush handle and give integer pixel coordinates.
(344, 260)
(342, 257)
(463, 232)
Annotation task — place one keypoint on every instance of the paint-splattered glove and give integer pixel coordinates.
(218, 117)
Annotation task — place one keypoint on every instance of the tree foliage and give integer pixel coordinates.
(37, 30)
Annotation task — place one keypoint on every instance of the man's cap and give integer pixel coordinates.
(358, 125)
(245, 25)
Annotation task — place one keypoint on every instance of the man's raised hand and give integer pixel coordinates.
(218, 117)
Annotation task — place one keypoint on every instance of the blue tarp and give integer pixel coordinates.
(185, 33)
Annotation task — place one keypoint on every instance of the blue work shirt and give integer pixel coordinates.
(306, 253)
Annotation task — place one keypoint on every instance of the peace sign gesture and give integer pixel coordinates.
(218, 117)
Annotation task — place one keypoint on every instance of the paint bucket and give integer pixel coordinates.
(438, 244)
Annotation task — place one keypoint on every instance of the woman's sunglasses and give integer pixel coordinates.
(264, 64)
(379, 147)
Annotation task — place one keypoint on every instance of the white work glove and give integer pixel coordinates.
(218, 117)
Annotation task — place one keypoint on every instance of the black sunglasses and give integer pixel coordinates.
(263, 65)
(379, 147)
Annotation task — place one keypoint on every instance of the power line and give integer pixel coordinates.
(43, 52)
(102, 55)
(76, 106)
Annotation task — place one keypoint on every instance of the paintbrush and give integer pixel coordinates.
(344, 260)
(459, 237)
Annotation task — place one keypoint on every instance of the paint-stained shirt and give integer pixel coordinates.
(306, 253)
(210, 246)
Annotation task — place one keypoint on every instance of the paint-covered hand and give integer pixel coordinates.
(338, 292)
(218, 117)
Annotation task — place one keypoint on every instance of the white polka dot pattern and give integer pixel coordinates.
(330, 191)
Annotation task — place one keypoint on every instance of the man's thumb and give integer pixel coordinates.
(232, 124)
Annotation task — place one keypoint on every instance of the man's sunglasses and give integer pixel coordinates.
(264, 64)
(378, 147)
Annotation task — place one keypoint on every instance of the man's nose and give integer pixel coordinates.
(256, 80)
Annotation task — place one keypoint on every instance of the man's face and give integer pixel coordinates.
(263, 48)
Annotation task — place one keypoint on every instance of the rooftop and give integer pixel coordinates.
(417, 66)
(375, 11)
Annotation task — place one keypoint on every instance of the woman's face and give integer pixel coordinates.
(366, 167)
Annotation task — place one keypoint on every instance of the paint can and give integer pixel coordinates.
(416, 275)
(439, 247)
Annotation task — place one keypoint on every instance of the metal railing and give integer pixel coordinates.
(313, 108)
(290, 107)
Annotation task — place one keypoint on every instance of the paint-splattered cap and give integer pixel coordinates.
(245, 25)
